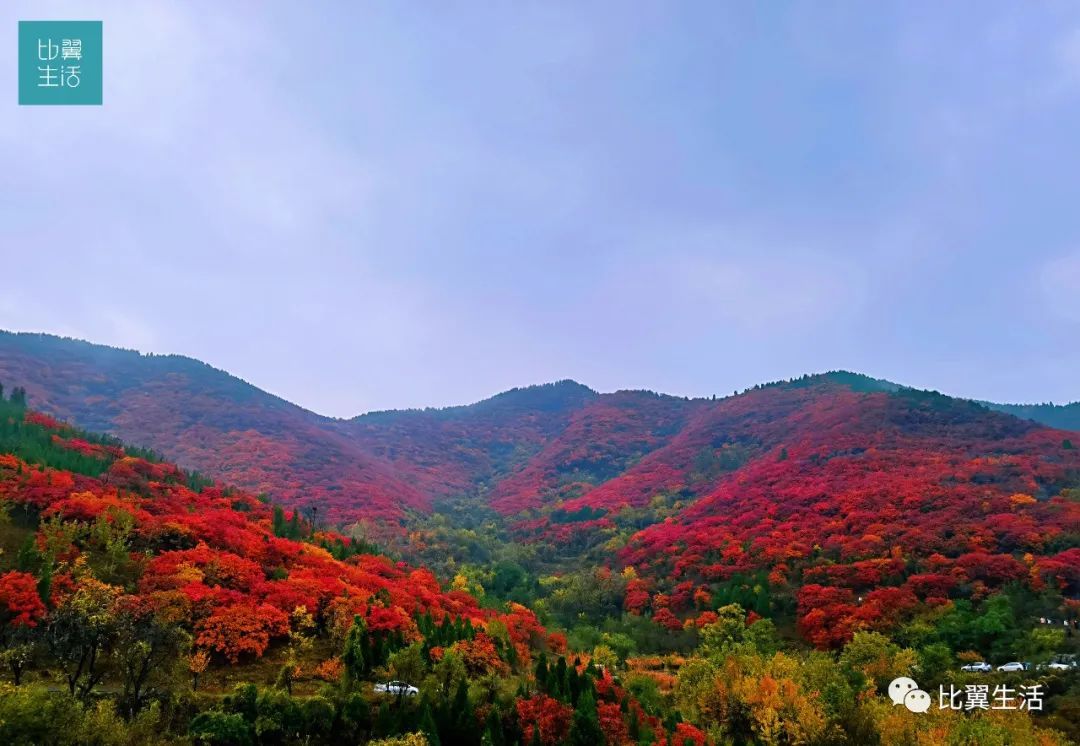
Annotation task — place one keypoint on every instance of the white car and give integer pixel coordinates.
(980, 667)
(1014, 666)
(400, 688)
(1060, 666)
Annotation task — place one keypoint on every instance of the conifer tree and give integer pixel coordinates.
(426, 725)
(386, 722)
(462, 727)
(29, 558)
(542, 673)
(494, 733)
(559, 682)
(356, 663)
(512, 656)
(585, 728)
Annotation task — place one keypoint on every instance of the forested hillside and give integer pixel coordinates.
(140, 603)
(519, 451)
(1063, 416)
(820, 536)
(205, 419)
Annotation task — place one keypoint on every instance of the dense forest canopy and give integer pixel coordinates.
(562, 566)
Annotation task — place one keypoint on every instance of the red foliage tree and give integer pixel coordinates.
(240, 630)
(825, 615)
(547, 715)
(479, 655)
(612, 724)
(687, 733)
(20, 605)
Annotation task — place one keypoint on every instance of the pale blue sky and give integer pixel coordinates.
(373, 205)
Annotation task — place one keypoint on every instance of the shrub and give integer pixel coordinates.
(220, 728)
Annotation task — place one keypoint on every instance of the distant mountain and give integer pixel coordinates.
(1061, 416)
(457, 450)
(557, 457)
(206, 419)
(378, 467)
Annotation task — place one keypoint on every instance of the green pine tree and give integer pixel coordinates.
(44, 585)
(426, 725)
(585, 728)
(462, 727)
(386, 722)
(356, 663)
(559, 682)
(542, 673)
(28, 559)
(494, 732)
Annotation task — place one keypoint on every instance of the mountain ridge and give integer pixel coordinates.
(839, 374)
(525, 449)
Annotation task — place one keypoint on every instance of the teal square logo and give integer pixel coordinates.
(60, 63)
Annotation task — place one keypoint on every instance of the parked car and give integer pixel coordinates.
(400, 688)
(980, 667)
(1014, 666)
(1061, 666)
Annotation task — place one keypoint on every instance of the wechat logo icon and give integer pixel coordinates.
(904, 691)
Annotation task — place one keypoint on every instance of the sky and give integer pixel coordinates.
(371, 205)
